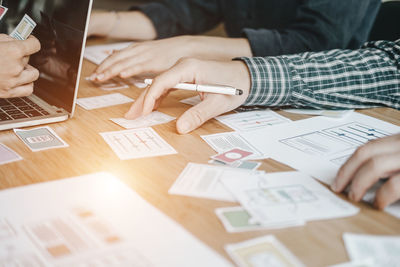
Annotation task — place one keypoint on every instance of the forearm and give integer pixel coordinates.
(123, 25)
(217, 48)
(340, 79)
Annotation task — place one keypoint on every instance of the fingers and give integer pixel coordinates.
(388, 193)
(6, 38)
(106, 67)
(362, 154)
(210, 107)
(136, 109)
(181, 72)
(371, 171)
(29, 75)
(20, 91)
(30, 46)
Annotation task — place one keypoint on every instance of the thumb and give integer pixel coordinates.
(199, 114)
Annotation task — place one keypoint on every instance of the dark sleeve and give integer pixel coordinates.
(319, 25)
(178, 17)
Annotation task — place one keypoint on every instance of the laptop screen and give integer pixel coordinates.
(60, 30)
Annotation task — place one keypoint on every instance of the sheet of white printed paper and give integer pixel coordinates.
(7, 155)
(98, 53)
(383, 250)
(152, 119)
(3, 11)
(287, 196)
(92, 220)
(316, 112)
(320, 145)
(137, 143)
(24, 28)
(193, 101)
(201, 180)
(237, 220)
(226, 141)
(96, 102)
(110, 85)
(40, 139)
(261, 252)
(252, 120)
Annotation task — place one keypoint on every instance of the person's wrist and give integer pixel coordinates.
(101, 23)
(242, 77)
(188, 45)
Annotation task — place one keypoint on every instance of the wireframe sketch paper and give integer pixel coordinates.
(286, 196)
(154, 118)
(201, 180)
(252, 120)
(261, 252)
(137, 143)
(103, 101)
(226, 141)
(382, 250)
(98, 53)
(320, 145)
(92, 220)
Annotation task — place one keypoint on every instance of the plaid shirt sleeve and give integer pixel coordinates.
(337, 79)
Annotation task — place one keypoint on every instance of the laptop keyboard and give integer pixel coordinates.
(19, 108)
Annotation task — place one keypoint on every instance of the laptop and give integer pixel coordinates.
(61, 29)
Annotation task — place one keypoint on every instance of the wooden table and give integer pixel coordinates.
(318, 243)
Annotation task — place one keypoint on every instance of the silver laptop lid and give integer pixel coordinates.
(61, 30)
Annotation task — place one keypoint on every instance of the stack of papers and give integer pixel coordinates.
(201, 180)
(268, 201)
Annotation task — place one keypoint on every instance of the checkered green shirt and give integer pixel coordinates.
(337, 79)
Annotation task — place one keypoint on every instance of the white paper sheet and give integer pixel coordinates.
(92, 220)
(286, 196)
(7, 155)
(154, 118)
(226, 141)
(201, 180)
(252, 120)
(96, 102)
(316, 112)
(98, 53)
(383, 250)
(137, 143)
(320, 145)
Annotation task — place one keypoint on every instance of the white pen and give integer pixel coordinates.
(215, 89)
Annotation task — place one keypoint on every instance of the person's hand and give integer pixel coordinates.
(376, 160)
(233, 73)
(153, 57)
(16, 75)
(119, 25)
